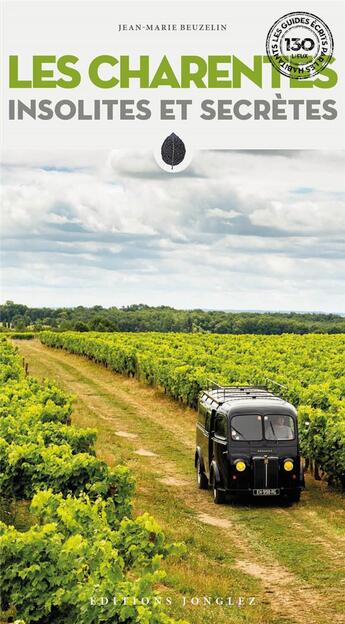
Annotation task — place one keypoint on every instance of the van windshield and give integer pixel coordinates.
(246, 427)
(279, 427)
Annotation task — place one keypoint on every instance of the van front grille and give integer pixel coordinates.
(265, 472)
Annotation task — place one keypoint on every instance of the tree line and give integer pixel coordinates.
(144, 318)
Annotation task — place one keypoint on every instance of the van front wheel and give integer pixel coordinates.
(201, 478)
(218, 495)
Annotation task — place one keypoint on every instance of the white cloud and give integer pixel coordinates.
(321, 214)
(235, 230)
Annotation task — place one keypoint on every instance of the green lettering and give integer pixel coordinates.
(297, 83)
(71, 72)
(142, 73)
(94, 68)
(239, 69)
(188, 76)
(275, 75)
(164, 76)
(218, 78)
(330, 75)
(40, 75)
(14, 82)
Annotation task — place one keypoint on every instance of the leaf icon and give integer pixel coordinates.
(173, 150)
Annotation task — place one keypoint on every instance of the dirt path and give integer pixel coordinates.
(293, 558)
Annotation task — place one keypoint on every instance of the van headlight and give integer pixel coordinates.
(288, 465)
(240, 465)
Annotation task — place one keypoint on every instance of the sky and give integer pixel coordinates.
(241, 230)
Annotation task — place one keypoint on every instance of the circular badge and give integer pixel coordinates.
(172, 153)
(299, 45)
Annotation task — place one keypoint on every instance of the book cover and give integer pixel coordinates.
(172, 333)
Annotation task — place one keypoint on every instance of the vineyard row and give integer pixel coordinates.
(82, 542)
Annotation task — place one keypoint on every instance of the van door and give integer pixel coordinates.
(202, 434)
(210, 451)
(220, 446)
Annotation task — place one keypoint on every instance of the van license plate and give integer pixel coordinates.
(272, 492)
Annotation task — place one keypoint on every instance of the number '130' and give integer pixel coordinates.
(295, 44)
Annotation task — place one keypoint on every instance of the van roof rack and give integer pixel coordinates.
(223, 394)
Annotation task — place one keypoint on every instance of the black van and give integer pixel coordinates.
(247, 443)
